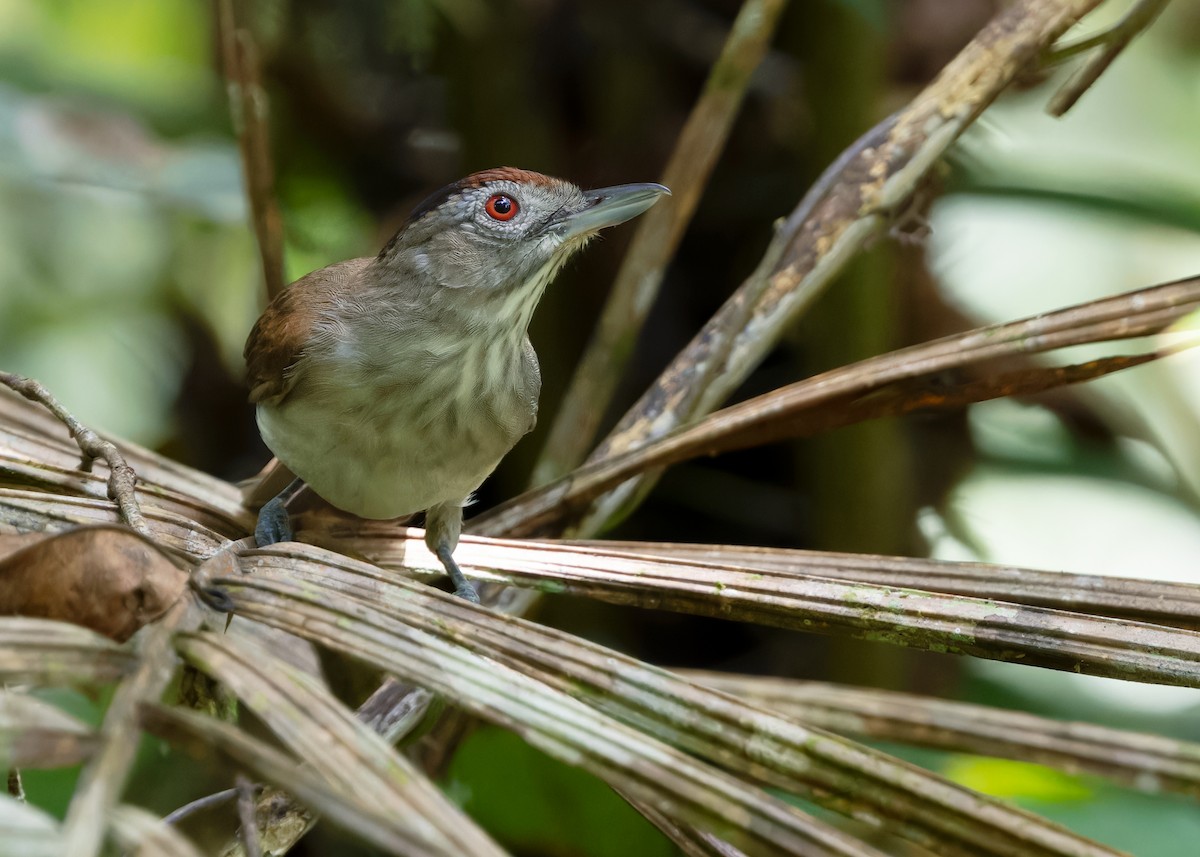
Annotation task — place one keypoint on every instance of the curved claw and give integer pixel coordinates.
(468, 592)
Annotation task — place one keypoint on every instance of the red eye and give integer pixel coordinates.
(501, 206)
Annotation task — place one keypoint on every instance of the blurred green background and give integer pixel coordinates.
(129, 279)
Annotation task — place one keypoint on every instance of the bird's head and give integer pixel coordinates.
(505, 230)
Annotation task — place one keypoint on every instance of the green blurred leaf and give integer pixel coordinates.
(528, 801)
(1002, 778)
(153, 53)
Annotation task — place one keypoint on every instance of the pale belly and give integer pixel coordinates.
(380, 456)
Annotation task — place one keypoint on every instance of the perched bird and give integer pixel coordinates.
(395, 384)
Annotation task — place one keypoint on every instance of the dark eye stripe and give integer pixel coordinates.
(478, 180)
(435, 199)
(475, 180)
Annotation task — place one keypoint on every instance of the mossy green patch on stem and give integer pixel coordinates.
(551, 587)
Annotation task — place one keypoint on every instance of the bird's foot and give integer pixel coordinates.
(463, 588)
(274, 524)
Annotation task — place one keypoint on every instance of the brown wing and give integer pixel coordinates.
(275, 348)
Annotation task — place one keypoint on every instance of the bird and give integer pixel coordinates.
(394, 384)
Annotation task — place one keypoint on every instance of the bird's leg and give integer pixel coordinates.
(274, 525)
(443, 523)
(463, 588)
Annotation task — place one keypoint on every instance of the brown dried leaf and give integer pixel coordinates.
(106, 578)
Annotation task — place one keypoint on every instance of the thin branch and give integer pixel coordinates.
(658, 235)
(1112, 41)
(202, 507)
(201, 805)
(246, 817)
(122, 480)
(248, 108)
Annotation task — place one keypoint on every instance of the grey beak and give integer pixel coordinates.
(611, 205)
